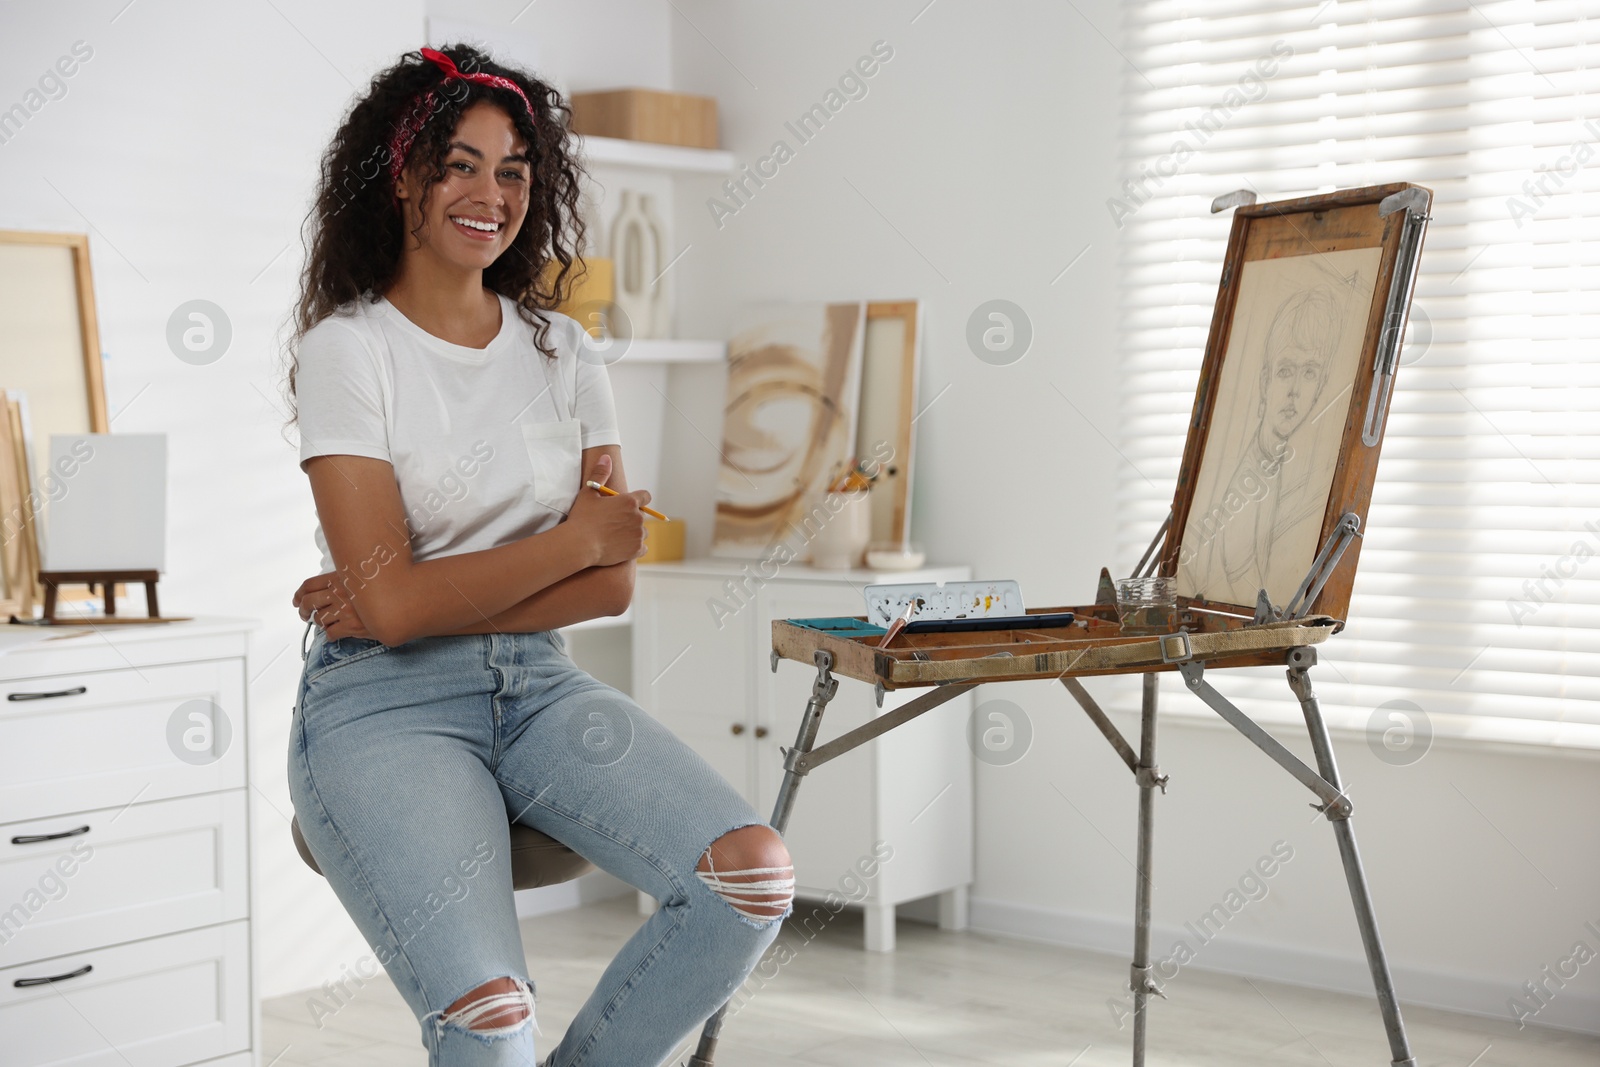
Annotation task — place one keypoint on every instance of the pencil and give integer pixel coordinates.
(608, 491)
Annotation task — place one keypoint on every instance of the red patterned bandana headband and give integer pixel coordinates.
(422, 108)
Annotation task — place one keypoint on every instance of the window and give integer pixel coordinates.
(1479, 585)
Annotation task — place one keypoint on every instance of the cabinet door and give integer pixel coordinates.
(692, 668)
(835, 815)
(121, 874)
(153, 1003)
(101, 739)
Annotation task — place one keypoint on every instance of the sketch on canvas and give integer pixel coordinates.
(1269, 458)
(789, 422)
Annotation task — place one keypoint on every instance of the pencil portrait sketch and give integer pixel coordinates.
(1273, 444)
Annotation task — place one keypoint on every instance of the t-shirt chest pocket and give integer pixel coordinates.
(555, 456)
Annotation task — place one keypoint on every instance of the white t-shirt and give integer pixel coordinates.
(485, 442)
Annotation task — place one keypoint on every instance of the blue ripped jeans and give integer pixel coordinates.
(406, 765)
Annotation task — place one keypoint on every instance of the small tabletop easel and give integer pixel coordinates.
(1308, 324)
(107, 580)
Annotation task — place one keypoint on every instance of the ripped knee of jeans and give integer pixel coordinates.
(496, 1008)
(750, 869)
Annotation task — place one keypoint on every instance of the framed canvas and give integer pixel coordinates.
(50, 357)
(889, 360)
(1293, 393)
(789, 422)
(50, 344)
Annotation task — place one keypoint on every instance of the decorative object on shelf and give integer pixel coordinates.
(842, 537)
(594, 241)
(637, 254)
(794, 377)
(647, 115)
(111, 525)
(663, 540)
(895, 555)
(660, 305)
(846, 518)
(591, 295)
(889, 361)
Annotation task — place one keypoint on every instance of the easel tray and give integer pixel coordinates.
(1091, 645)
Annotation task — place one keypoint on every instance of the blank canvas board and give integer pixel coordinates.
(107, 502)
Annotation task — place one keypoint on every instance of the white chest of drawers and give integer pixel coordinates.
(702, 632)
(125, 849)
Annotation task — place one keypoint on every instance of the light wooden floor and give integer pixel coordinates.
(944, 999)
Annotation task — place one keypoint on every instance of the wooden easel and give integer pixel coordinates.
(107, 580)
(1211, 633)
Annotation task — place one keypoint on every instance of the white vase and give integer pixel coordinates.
(636, 259)
(839, 543)
(660, 307)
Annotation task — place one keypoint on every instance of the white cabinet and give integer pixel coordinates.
(125, 848)
(701, 639)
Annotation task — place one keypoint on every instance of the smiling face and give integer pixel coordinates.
(474, 212)
(1290, 382)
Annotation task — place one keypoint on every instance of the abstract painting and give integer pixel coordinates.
(789, 423)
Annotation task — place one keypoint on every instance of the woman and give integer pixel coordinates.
(448, 419)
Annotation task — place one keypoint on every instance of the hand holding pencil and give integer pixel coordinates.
(613, 531)
(608, 491)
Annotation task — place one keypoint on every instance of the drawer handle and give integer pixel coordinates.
(74, 691)
(23, 983)
(737, 728)
(762, 731)
(32, 839)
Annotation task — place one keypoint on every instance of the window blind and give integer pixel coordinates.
(1478, 592)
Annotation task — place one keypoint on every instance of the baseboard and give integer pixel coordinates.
(1571, 1009)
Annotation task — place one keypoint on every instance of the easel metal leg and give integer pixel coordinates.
(1332, 796)
(1149, 779)
(809, 760)
(822, 691)
(1300, 662)
(1103, 722)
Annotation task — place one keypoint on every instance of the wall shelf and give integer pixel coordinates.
(663, 350)
(612, 151)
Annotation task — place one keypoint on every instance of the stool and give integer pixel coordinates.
(536, 858)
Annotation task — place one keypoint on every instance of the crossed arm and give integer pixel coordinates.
(580, 569)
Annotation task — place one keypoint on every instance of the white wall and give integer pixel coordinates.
(576, 45)
(977, 167)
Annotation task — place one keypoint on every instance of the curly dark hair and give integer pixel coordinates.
(356, 226)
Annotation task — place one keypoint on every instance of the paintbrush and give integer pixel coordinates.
(900, 623)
